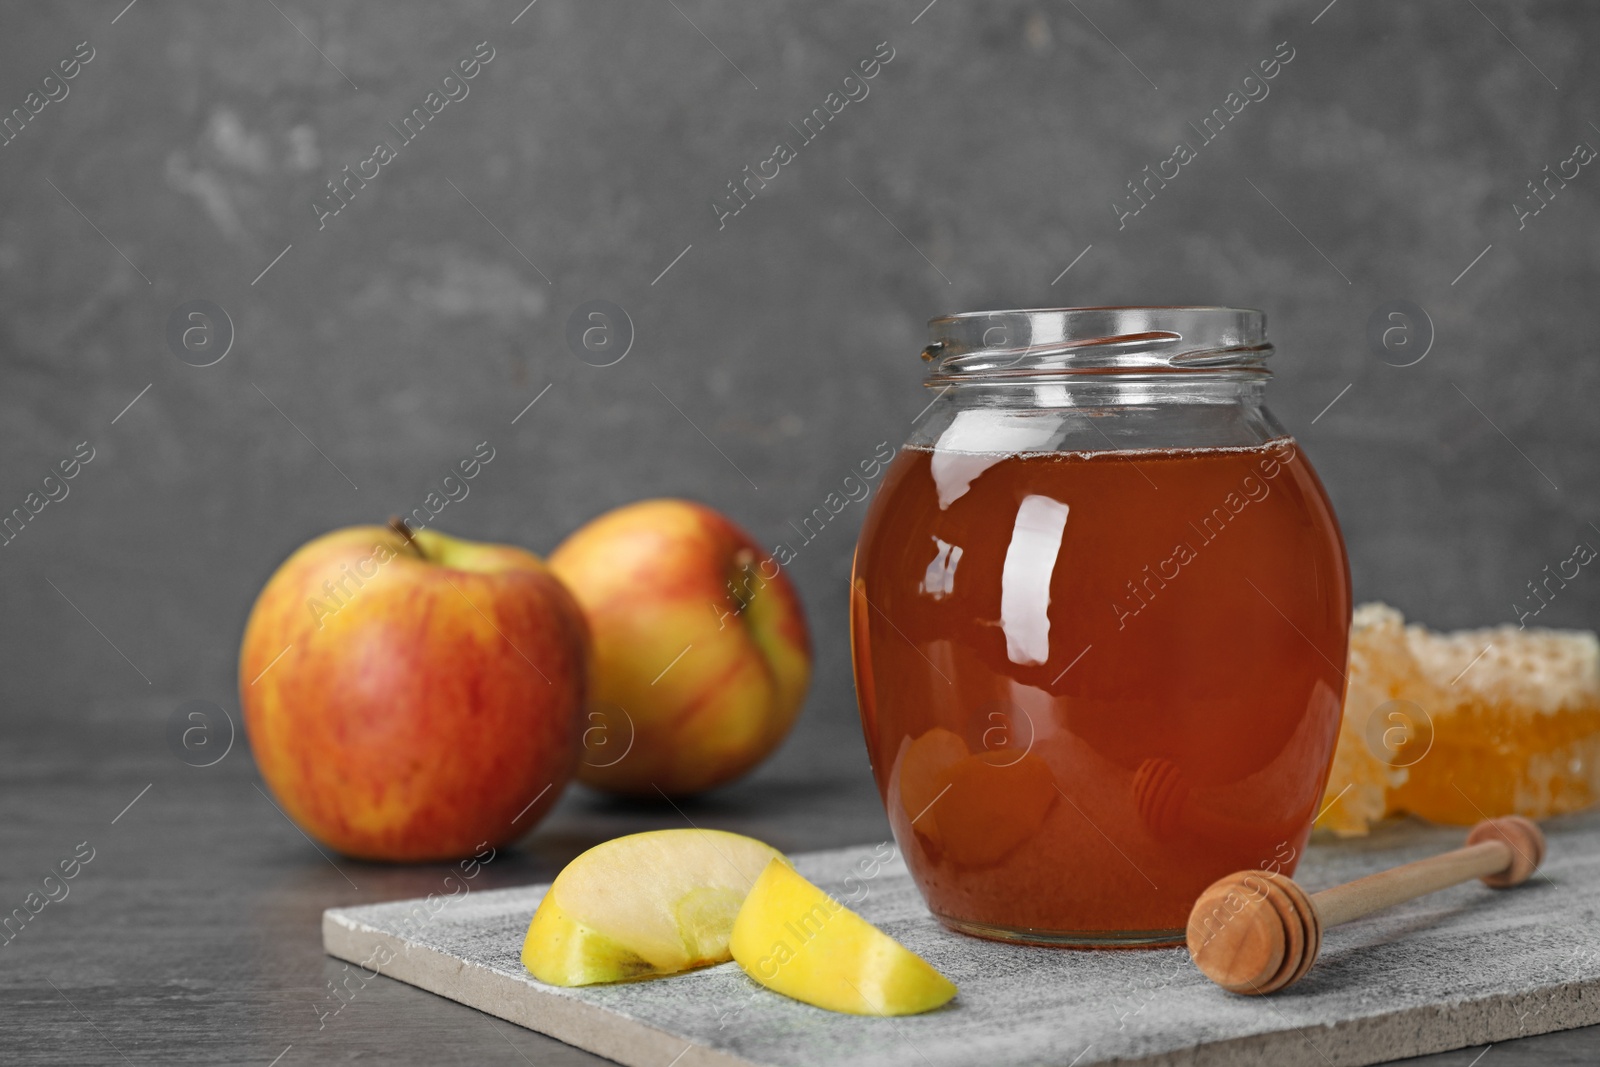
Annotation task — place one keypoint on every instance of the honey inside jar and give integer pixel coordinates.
(1093, 682)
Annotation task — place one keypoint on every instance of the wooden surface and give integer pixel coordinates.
(193, 937)
(1464, 966)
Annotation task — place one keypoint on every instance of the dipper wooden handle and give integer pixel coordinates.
(1256, 932)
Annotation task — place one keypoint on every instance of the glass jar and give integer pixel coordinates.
(1099, 617)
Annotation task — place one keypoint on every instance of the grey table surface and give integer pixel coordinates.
(193, 935)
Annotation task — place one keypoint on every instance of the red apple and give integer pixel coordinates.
(701, 656)
(413, 698)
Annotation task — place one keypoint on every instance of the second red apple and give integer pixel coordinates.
(701, 654)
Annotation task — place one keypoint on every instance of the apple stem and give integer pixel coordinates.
(398, 525)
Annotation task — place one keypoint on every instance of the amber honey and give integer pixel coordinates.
(1460, 727)
(1093, 683)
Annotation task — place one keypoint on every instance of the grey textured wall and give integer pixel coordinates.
(421, 319)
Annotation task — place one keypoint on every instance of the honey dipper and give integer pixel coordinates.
(1257, 932)
(1169, 809)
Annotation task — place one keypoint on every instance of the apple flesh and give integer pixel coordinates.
(794, 939)
(413, 698)
(701, 654)
(647, 904)
(997, 801)
(972, 808)
(921, 775)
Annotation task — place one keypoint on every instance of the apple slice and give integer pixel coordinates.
(997, 801)
(796, 940)
(927, 761)
(646, 904)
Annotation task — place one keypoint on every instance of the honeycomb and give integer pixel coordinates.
(1464, 726)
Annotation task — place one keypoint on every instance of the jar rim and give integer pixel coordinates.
(1030, 344)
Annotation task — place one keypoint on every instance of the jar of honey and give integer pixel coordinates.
(1099, 617)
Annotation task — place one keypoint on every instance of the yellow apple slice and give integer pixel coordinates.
(997, 801)
(926, 761)
(796, 940)
(646, 904)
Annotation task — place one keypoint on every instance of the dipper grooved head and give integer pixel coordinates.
(1159, 795)
(1254, 932)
